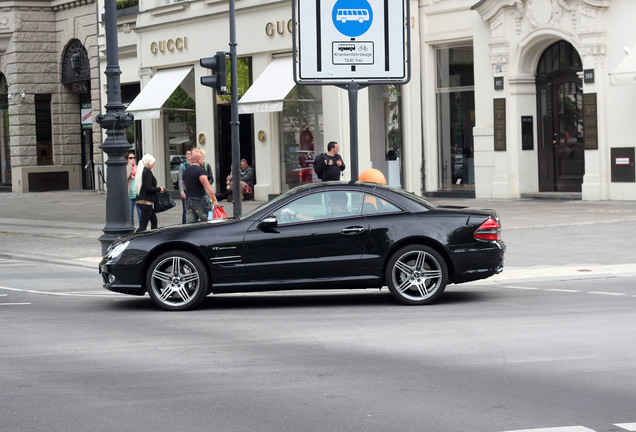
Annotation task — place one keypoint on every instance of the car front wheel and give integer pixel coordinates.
(416, 274)
(177, 280)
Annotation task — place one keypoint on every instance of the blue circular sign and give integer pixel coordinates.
(352, 17)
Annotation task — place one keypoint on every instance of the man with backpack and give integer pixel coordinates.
(328, 166)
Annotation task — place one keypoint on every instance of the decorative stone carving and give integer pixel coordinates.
(497, 29)
(75, 64)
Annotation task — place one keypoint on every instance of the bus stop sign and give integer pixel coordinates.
(343, 41)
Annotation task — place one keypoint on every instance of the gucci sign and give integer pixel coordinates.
(170, 45)
(279, 27)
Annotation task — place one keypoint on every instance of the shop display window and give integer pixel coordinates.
(180, 117)
(301, 135)
(386, 131)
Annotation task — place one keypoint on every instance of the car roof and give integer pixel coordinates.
(399, 196)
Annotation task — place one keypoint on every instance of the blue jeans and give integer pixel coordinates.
(132, 212)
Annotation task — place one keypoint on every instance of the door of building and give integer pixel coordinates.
(561, 155)
(224, 147)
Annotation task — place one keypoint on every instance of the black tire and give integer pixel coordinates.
(416, 275)
(177, 280)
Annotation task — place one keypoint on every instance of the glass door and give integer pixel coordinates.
(455, 118)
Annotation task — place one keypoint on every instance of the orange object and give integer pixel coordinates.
(372, 175)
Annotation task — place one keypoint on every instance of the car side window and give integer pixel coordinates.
(321, 206)
(343, 203)
(306, 208)
(376, 205)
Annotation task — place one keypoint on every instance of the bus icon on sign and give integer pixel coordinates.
(352, 18)
(360, 15)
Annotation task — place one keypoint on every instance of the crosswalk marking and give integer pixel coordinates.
(627, 426)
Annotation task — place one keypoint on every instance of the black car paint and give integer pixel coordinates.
(242, 256)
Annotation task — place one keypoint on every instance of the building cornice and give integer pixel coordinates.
(54, 5)
(489, 8)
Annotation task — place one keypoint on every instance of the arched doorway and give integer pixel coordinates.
(560, 113)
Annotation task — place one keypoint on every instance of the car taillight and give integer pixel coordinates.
(489, 230)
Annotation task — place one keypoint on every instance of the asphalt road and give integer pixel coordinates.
(491, 357)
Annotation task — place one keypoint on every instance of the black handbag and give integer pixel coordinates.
(164, 202)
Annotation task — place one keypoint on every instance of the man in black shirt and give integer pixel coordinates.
(330, 163)
(197, 185)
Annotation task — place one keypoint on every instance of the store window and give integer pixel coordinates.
(5, 151)
(386, 131)
(302, 135)
(456, 118)
(180, 116)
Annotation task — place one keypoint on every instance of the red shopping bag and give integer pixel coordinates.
(219, 213)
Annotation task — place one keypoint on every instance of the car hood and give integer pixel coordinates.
(178, 228)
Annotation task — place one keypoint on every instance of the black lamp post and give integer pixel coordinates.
(114, 122)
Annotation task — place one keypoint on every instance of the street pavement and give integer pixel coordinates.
(544, 238)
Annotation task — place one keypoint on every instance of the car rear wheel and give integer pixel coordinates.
(177, 280)
(416, 275)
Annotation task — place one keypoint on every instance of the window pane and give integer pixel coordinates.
(455, 67)
(456, 115)
(302, 135)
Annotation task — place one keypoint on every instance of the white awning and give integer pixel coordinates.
(148, 103)
(625, 72)
(270, 88)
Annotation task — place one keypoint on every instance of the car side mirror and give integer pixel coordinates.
(268, 222)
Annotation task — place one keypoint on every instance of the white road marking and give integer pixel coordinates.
(563, 290)
(521, 288)
(61, 294)
(606, 293)
(557, 429)
(14, 304)
(627, 426)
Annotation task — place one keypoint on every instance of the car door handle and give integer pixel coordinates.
(352, 230)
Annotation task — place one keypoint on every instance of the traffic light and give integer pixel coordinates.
(219, 79)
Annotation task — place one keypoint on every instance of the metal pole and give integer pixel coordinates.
(114, 122)
(234, 120)
(352, 89)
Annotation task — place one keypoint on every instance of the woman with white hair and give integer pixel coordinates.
(147, 191)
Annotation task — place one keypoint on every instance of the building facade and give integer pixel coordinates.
(548, 118)
(281, 132)
(49, 74)
(507, 98)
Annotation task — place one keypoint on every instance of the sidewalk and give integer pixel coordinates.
(544, 238)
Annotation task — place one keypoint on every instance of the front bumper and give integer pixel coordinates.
(115, 280)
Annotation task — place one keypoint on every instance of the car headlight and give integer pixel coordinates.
(116, 249)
